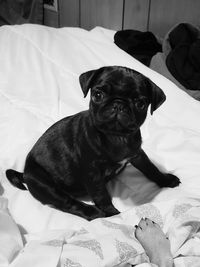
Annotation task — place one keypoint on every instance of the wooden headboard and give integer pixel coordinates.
(157, 16)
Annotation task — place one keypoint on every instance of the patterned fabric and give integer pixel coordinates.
(127, 230)
(125, 251)
(81, 231)
(181, 209)
(151, 212)
(118, 245)
(54, 243)
(93, 245)
(70, 263)
(111, 241)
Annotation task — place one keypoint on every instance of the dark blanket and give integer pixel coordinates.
(141, 45)
(21, 11)
(183, 61)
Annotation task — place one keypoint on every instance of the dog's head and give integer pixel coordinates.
(120, 98)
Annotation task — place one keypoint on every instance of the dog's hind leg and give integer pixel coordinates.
(48, 189)
(62, 201)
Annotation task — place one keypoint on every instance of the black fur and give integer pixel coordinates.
(79, 154)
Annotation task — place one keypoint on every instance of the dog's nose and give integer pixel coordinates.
(119, 107)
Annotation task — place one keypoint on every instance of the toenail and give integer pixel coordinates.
(136, 226)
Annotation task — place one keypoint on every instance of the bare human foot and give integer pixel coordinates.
(154, 242)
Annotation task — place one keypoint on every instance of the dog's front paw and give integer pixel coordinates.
(168, 180)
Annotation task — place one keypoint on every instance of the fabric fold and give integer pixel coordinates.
(10, 238)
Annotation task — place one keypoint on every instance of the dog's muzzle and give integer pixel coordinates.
(119, 107)
(118, 118)
(120, 111)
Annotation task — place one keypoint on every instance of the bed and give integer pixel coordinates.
(39, 85)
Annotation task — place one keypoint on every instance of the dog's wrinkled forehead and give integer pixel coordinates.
(120, 80)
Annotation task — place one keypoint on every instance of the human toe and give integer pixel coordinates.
(143, 224)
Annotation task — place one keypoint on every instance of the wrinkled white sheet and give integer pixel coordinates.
(10, 237)
(39, 85)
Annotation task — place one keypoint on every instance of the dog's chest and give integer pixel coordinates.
(112, 170)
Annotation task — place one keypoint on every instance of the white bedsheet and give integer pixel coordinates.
(39, 85)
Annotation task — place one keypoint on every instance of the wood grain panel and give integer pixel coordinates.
(136, 14)
(105, 13)
(69, 13)
(165, 14)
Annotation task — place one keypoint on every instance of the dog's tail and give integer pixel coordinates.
(16, 178)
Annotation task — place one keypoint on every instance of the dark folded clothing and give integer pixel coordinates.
(183, 61)
(141, 45)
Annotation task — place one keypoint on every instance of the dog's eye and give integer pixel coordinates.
(140, 104)
(98, 96)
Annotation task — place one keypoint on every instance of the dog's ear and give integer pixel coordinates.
(87, 79)
(157, 96)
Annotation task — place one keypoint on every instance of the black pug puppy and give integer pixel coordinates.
(79, 154)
